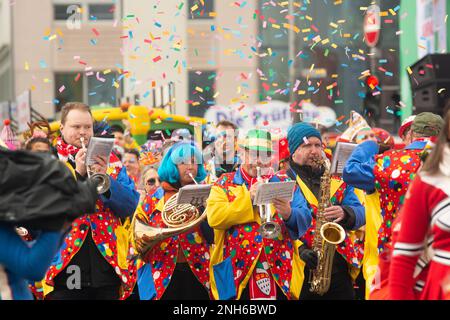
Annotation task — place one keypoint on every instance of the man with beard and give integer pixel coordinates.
(306, 148)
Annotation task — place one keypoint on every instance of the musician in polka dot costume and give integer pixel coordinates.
(390, 175)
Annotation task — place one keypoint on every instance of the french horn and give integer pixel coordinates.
(178, 218)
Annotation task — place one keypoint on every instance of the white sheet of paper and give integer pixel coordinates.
(99, 147)
(267, 192)
(343, 151)
(195, 194)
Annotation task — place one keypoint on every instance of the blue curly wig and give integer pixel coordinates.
(181, 152)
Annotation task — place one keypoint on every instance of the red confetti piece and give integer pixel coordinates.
(95, 32)
(156, 59)
(77, 77)
(265, 86)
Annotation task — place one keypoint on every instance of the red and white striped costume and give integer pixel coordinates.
(425, 221)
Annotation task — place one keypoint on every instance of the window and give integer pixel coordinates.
(72, 90)
(101, 11)
(64, 11)
(103, 92)
(201, 92)
(200, 9)
(89, 90)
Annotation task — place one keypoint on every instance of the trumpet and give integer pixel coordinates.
(100, 180)
(268, 228)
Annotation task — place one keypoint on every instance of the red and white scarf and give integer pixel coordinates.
(67, 151)
(251, 180)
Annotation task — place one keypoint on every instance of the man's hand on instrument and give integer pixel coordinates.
(100, 165)
(334, 213)
(283, 207)
(253, 190)
(80, 162)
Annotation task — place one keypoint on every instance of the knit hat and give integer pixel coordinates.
(427, 124)
(298, 133)
(258, 140)
(406, 124)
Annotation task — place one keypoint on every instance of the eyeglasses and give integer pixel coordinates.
(151, 181)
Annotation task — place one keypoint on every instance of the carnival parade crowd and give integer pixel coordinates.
(390, 206)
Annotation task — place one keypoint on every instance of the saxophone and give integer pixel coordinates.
(326, 236)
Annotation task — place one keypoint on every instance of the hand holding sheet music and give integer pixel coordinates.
(99, 147)
(343, 151)
(267, 192)
(195, 194)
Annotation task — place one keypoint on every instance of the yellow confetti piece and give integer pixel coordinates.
(409, 70)
(269, 51)
(306, 30)
(107, 71)
(27, 66)
(116, 84)
(216, 95)
(384, 14)
(213, 14)
(422, 47)
(334, 45)
(308, 18)
(301, 92)
(296, 29)
(392, 12)
(33, 87)
(194, 7)
(157, 121)
(276, 26)
(334, 25)
(53, 37)
(199, 89)
(196, 103)
(325, 41)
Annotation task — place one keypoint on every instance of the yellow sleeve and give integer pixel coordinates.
(223, 214)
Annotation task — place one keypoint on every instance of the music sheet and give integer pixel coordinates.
(195, 194)
(267, 192)
(343, 151)
(99, 147)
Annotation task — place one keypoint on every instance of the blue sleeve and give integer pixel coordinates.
(123, 198)
(29, 263)
(351, 200)
(358, 171)
(300, 219)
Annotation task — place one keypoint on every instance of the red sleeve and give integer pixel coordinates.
(415, 220)
(409, 245)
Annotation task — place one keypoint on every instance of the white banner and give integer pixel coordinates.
(440, 27)
(425, 27)
(23, 111)
(431, 26)
(271, 115)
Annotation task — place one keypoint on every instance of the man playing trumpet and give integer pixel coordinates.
(305, 146)
(95, 249)
(244, 265)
